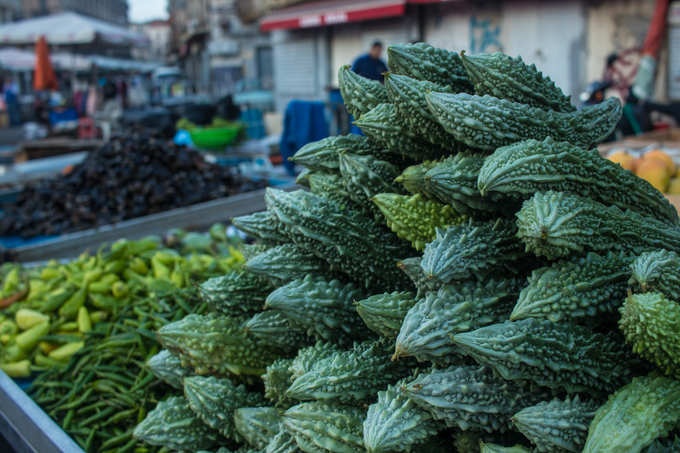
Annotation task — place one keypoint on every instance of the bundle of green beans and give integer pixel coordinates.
(106, 389)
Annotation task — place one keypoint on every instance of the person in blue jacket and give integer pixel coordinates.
(370, 65)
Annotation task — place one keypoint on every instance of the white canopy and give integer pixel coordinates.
(68, 28)
(24, 60)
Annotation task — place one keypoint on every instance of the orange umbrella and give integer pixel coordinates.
(44, 78)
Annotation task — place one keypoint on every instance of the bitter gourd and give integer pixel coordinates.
(284, 263)
(473, 249)
(359, 93)
(408, 97)
(349, 376)
(322, 155)
(570, 289)
(415, 219)
(349, 241)
(382, 124)
(486, 122)
(651, 323)
(635, 415)
(423, 283)
(237, 293)
(332, 186)
(277, 331)
(522, 169)
(428, 327)
(495, 448)
(657, 271)
(502, 76)
(556, 224)
(283, 442)
(668, 445)
(471, 397)
(276, 381)
(557, 426)
(214, 401)
(250, 250)
(307, 357)
(257, 425)
(324, 308)
(262, 226)
(425, 62)
(559, 356)
(168, 368)
(396, 423)
(413, 178)
(384, 313)
(216, 344)
(454, 181)
(172, 424)
(320, 427)
(365, 176)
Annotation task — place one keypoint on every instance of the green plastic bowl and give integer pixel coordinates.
(214, 138)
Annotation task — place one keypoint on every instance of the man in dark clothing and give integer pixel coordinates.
(371, 65)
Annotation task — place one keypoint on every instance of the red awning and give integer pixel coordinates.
(317, 14)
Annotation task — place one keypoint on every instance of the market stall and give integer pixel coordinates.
(469, 274)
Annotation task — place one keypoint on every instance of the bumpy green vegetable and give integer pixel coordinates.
(467, 441)
(428, 327)
(500, 75)
(580, 287)
(365, 176)
(657, 271)
(522, 169)
(651, 323)
(168, 368)
(556, 224)
(425, 62)
(454, 181)
(384, 313)
(486, 122)
(359, 93)
(351, 242)
(423, 283)
(216, 344)
(473, 249)
(471, 397)
(277, 331)
(408, 97)
(384, 127)
(348, 376)
(322, 155)
(319, 427)
(396, 423)
(495, 448)
(415, 219)
(172, 424)
(325, 308)
(237, 293)
(635, 415)
(413, 178)
(664, 446)
(276, 380)
(284, 263)
(283, 442)
(214, 401)
(262, 226)
(553, 355)
(557, 426)
(332, 186)
(257, 425)
(307, 357)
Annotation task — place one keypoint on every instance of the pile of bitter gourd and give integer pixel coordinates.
(469, 275)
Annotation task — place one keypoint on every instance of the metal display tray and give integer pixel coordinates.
(200, 215)
(26, 427)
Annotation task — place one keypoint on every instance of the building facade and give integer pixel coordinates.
(115, 11)
(158, 33)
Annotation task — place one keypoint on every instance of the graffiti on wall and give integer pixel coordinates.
(484, 35)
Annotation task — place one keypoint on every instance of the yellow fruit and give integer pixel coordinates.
(674, 186)
(624, 159)
(662, 156)
(655, 172)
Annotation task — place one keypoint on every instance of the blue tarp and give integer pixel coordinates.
(303, 122)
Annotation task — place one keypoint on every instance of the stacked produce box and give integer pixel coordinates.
(467, 276)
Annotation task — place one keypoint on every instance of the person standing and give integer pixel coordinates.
(370, 65)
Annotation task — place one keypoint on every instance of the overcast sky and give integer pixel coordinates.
(143, 10)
